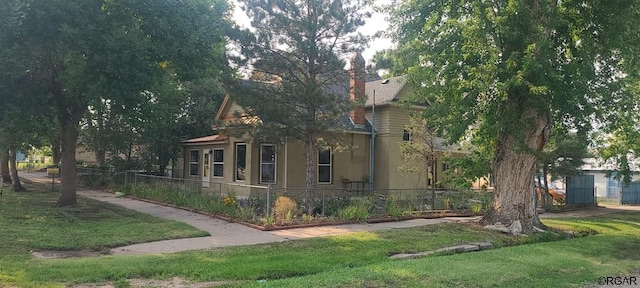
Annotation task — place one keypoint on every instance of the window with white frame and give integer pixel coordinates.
(325, 164)
(218, 162)
(241, 162)
(194, 162)
(267, 163)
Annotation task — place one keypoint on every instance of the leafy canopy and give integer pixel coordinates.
(482, 65)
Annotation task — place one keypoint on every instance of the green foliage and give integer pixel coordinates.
(125, 65)
(418, 155)
(394, 209)
(176, 195)
(244, 213)
(564, 155)
(230, 200)
(501, 74)
(307, 218)
(359, 211)
(333, 205)
(299, 86)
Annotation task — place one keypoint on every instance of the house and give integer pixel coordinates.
(604, 177)
(222, 158)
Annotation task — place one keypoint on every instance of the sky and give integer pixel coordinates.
(374, 24)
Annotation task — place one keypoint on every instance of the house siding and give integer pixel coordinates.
(233, 109)
(290, 164)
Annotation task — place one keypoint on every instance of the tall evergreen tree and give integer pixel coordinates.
(299, 45)
(507, 71)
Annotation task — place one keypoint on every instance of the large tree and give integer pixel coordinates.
(82, 52)
(300, 47)
(507, 71)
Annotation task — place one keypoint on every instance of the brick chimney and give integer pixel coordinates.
(356, 87)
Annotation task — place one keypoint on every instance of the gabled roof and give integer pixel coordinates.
(207, 139)
(343, 122)
(224, 106)
(386, 90)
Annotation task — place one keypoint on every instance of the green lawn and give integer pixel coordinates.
(354, 260)
(30, 222)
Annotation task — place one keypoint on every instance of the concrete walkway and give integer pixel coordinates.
(225, 234)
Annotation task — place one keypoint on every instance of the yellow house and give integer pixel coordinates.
(222, 158)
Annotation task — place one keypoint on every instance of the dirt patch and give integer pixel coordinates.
(64, 254)
(175, 282)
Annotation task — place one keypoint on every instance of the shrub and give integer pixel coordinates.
(230, 200)
(307, 218)
(285, 208)
(393, 208)
(476, 208)
(243, 214)
(333, 205)
(359, 212)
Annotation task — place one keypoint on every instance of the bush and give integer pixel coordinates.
(393, 208)
(333, 205)
(285, 208)
(359, 212)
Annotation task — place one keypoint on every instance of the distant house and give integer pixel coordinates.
(221, 158)
(604, 177)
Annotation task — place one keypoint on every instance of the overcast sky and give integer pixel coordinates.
(374, 24)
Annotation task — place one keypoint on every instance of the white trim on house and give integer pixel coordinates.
(196, 162)
(273, 163)
(214, 163)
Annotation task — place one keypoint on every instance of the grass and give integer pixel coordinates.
(30, 222)
(353, 260)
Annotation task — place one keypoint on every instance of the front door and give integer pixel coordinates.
(206, 167)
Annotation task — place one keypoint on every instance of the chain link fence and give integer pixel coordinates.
(258, 201)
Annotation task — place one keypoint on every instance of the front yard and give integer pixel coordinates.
(355, 260)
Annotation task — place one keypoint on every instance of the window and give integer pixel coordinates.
(324, 166)
(241, 161)
(267, 163)
(194, 166)
(218, 162)
(445, 166)
(406, 136)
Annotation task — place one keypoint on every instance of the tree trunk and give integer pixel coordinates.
(4, 167)
(548, 200)
(16, 185)
(312, 151)
(514, 168)
(68, 175)
(56, 151)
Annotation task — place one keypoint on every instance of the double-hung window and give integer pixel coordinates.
(325, 164)
(194, 162)
(218, 162)
(267, 163)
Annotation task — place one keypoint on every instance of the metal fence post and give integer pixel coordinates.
(269, 188)
(433, 199)
(323, 202)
